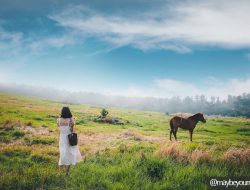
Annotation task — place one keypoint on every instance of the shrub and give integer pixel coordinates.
(38, 118)
(18, 134)
(39, 140)
(5, 138)
(16, 152)
(41, 158)
(243, 130)
(155, 169)
(104, 113)
(29, 123)
(9, 134)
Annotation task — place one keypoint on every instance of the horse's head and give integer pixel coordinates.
(201, 118)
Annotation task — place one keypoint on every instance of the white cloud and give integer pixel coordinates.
(178, 27)
(15, 44)
(10, 42)
(54, 42)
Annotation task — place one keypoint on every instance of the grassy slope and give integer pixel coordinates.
(136, 155)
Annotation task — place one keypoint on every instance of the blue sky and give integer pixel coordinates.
(159, 48)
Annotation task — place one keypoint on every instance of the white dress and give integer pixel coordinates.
(69, 155)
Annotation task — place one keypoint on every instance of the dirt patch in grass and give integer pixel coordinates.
(93, 142)
(133, 135)
(137, 136)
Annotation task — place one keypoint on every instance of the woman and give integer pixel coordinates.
(69, 155)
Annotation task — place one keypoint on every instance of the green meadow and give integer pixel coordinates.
(135, 154)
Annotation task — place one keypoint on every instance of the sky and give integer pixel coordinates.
(141, 48)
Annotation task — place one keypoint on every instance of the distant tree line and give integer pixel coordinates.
(232, 106)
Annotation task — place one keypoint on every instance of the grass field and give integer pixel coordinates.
(136, 155)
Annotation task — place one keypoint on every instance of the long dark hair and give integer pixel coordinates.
(66, 113)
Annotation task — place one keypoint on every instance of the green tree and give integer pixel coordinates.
(104, 113)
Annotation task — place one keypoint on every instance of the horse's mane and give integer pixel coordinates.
(193, 116)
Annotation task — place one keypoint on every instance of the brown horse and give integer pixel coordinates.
(185, 123)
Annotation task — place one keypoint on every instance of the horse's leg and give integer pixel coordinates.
(171, 131)
(175, 131)
(191, 134)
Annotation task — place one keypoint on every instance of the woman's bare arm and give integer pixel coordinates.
(72, 123)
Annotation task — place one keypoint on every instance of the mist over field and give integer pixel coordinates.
(232, 106)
